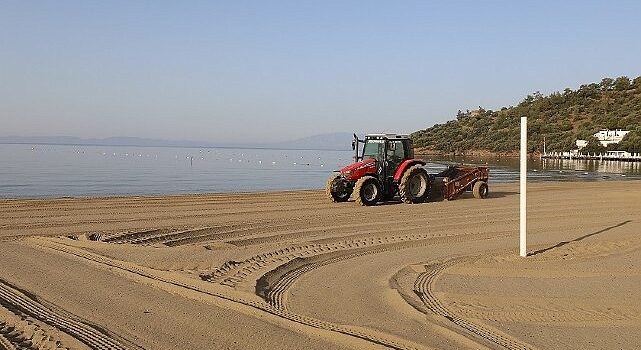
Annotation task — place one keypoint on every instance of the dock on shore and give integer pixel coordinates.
(621, 156)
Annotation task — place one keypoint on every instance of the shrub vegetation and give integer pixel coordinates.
(561, 117)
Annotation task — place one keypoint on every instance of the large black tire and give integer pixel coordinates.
(480, 189)
(367, 191)
(338, 189)
(415, 185)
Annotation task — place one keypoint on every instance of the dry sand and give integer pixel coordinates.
(291, 270)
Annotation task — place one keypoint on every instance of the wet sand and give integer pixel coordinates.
(293, 270)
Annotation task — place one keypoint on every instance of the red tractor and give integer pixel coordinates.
(386, 168)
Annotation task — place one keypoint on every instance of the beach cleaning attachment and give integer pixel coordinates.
(457, 179)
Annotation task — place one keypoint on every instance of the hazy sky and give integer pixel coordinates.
(276, 70)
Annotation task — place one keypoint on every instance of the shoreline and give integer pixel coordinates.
(155, 195)
(474, 153)
(609, 178)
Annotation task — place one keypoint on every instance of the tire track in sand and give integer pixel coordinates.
(558, 309)
(22, 332)
(5, 343)
(17, 302)
(373, 336)
(232, 273)
(274, 285)
(424, 289)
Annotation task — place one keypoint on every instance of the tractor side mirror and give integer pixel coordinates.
(353, 145)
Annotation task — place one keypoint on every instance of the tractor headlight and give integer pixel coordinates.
(347, 174)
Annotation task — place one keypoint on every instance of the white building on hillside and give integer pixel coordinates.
(605, 136)
(581, 143)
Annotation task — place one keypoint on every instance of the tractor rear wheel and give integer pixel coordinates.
(480, 189)
(415, 185)
(367, 191)
(338, 189)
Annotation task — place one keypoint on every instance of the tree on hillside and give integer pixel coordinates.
(607, 84)
(631, 142)
(622, 83)
(593, 146)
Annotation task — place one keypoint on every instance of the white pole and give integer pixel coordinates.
(523, 189)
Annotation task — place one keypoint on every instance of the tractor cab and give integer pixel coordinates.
(391, 148)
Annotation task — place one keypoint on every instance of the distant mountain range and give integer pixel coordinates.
(331, 141)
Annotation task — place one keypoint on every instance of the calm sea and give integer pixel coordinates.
(67, 170)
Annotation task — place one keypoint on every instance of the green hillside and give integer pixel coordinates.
(561, 117)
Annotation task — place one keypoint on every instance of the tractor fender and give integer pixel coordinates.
(404, 166)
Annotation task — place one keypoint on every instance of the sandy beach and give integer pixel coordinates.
(292, 270)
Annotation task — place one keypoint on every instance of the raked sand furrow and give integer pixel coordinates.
(226, 233)
(233, 273)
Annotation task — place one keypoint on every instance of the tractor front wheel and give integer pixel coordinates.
(367, 191)
(338, 189)
(480, 189)
(415, 185)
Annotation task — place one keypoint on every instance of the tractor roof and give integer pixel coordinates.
(387, 136)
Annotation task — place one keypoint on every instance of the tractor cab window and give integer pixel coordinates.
(396, 151)
(373, 148)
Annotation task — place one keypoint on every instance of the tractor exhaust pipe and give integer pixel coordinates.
(355, 143)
